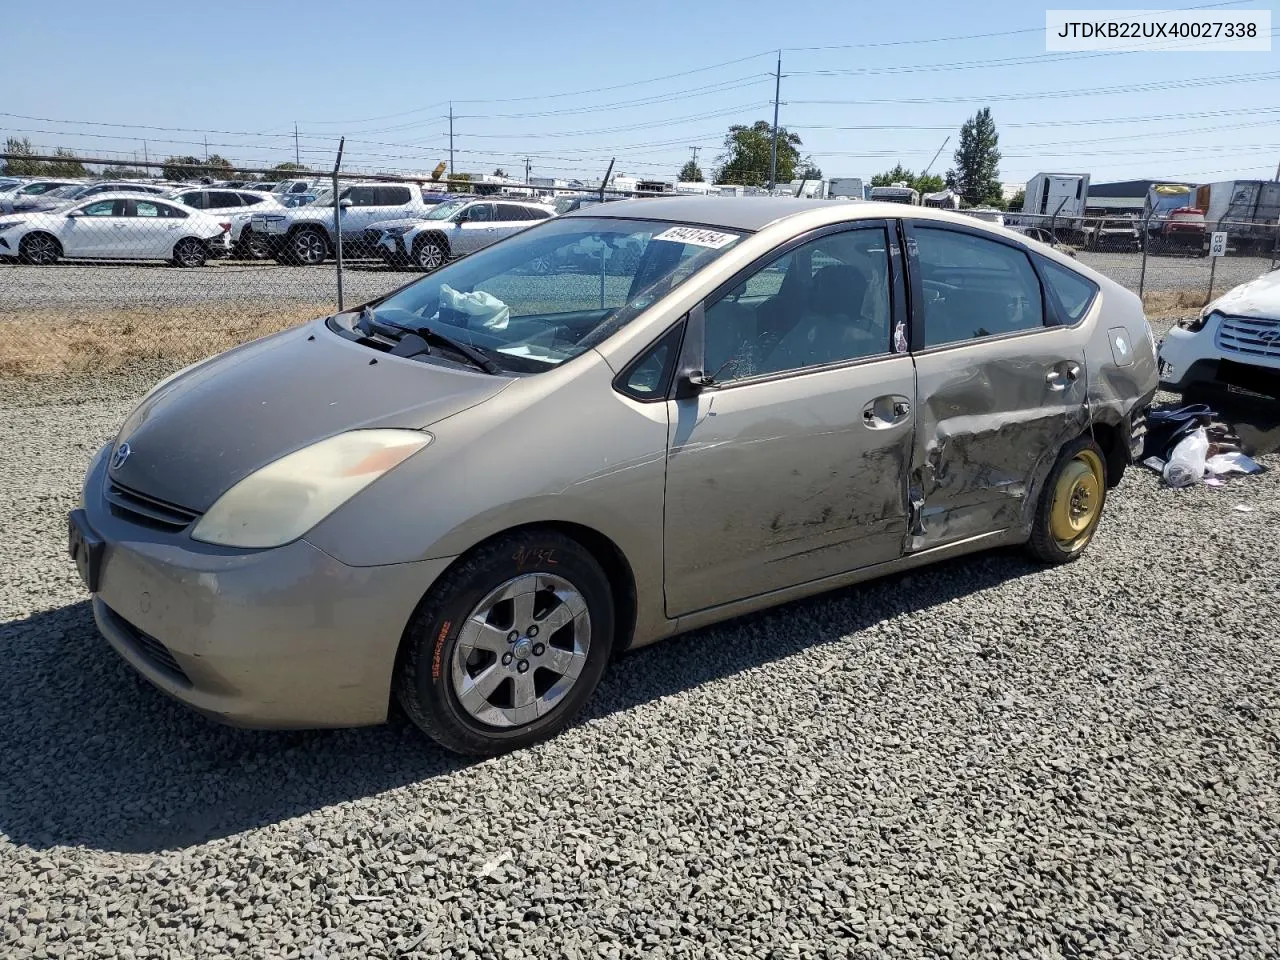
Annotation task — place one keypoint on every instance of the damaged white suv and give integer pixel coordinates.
(1234, 342)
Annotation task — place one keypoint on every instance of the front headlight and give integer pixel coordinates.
(1196, 324)
(285, 499)
(10, 224)
(396, 231)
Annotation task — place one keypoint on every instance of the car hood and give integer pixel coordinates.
(212, 425)
(1257, 298)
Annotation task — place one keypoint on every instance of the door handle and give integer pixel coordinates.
(901, 409)
(1073, 372)
(1055, 380)
(884, 412)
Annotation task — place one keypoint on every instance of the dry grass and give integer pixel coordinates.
(43, 343)
(1172, 303)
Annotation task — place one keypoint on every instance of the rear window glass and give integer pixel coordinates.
(1074, 293)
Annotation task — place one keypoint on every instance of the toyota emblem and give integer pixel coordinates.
(121, 455)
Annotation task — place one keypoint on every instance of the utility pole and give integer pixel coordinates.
(146, 160)
(206, 149)
(297, 154)
(695, 156)
(773, 150)
(526, 171)
(450, 177)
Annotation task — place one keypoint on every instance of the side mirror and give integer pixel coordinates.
(73, 214)
(344, 202)
(689, 383)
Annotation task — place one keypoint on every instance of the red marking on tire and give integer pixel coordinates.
(435, 657)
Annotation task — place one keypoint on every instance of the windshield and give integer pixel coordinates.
(443, 211)
(1164, 202)
(554, 290)
(69, 192)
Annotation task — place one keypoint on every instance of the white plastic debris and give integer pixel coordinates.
(492, 312)
(1232, 462)
(1186, 465)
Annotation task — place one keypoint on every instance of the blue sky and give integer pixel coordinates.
(521, 76)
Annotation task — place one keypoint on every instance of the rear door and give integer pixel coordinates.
(153, 230)
(1001, 382)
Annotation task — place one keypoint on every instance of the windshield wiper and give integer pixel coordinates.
(369, 323)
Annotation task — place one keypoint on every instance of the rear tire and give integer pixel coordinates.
(190, 252)
(1071, 503)
(477, 674)
(253, 246)
(39, 250)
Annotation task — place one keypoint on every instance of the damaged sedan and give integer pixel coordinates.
(469, 495)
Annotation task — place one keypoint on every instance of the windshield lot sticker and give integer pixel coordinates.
(699, 238)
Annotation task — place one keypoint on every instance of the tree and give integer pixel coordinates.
(459, 187)
(499, 172)
(289, 168)
(921, 182)
(123, 173)
(1017, 200)
(809, 172)
(192, 168)
(976, 175)
(66, 164)
(746, 157)
(690, 172)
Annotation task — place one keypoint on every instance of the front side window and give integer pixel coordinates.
(551, 292)
(480, 213)
(362, 196)
(826, 301)
(974, 287)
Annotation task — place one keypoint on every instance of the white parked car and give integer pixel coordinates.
(116, 226)
(1234, 342)
(238, 207)
(34, 188)
(305, 235)
(453, 228)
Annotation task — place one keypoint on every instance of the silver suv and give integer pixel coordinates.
(452, 229)
(305, 235)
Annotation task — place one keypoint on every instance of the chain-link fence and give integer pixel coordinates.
(103, 273)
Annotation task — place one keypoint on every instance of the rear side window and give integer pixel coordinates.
(1073, 292)
(249, 200)
(220, 199)
(194, 199)
(393, 196)
(974, 287)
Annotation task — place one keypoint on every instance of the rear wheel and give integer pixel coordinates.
(429, 254)
(507, 647)
(39, 249)
(1071, 503)
(190, 252)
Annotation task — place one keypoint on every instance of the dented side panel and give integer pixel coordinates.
(776, 483)
(992, 418)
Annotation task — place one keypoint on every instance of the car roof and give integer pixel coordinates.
(756, 213)
(137, 195)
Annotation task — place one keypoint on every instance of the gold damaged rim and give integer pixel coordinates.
(1077, 501)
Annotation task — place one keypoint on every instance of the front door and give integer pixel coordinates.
(97, 229)
(1000, 383)
(475, 228)
(792, 466)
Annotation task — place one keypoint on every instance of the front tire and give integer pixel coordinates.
(308, 247)
(509, 645)
(429, 254)
(254, 246)
(1071, 503)
(39, 250)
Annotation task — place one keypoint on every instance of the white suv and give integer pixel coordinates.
(1234, 342)
(305, 235)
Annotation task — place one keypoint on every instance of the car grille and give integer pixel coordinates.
(148, 647)
(1251, 336)
(148, 511)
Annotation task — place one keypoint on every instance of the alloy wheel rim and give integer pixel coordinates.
(40, 249)
(521, 650)
(429, 256)
(188, 254)
(1077, 501)
(309, 247)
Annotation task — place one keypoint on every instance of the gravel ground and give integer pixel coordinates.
(122, 286)
(981, 759)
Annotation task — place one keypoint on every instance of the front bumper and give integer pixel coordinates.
(1186, 359)
(284, 638)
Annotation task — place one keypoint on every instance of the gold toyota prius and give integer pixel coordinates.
(617, 425)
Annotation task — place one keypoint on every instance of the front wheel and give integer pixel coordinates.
(430, 254)
(507, 647)
(254, 246)
(309, 247)
(1071, 503)
(39, 250)
(190, 252)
